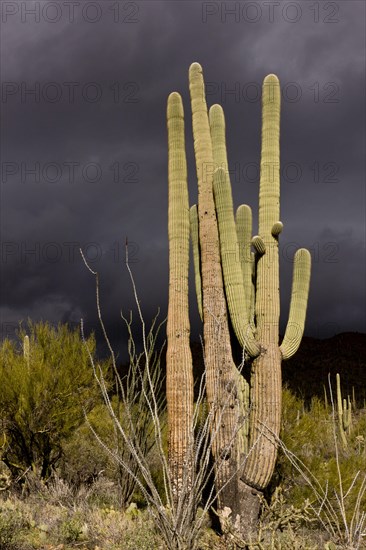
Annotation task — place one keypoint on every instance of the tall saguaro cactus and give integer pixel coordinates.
(260, 340)
(219, 363)
(266, 388)
(179, 357)
(235, 283)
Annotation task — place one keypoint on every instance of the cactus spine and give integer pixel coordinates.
(233, 282)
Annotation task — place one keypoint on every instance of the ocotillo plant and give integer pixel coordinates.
(230, 278)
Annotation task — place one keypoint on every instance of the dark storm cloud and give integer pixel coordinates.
(96, 141)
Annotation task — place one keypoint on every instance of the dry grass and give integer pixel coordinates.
(56, 517)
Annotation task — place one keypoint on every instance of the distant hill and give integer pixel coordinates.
(306, 373)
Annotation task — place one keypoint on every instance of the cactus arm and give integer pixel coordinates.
(238, 303)
(217, 129)
(277, 228)
(298, 306)
(193, 219)
(244, 233)
(266, 383)
(259, 244)
(267, 299)
(179, 358)
(252, 299)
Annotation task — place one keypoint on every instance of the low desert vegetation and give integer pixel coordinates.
(86, 499)
(46, 382)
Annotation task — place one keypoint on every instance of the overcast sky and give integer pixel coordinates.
(84, 146)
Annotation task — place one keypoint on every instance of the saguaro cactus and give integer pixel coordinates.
(179, 357)
(263, 341)
(231, 278)
(26, 349)
(220, 368)
(344, 407)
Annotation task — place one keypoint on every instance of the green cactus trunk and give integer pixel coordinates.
(266, 385)
(219, 364)
(179, 381)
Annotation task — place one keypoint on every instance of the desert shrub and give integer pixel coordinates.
(12, 523)
(44, 387)
(311, 435)
(71, 529)
(83, 458)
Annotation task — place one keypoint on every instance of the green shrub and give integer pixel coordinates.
(43, 393)
(84, 460)
(71, 529)
(312, 436)
(12, 524)
(83, 457)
